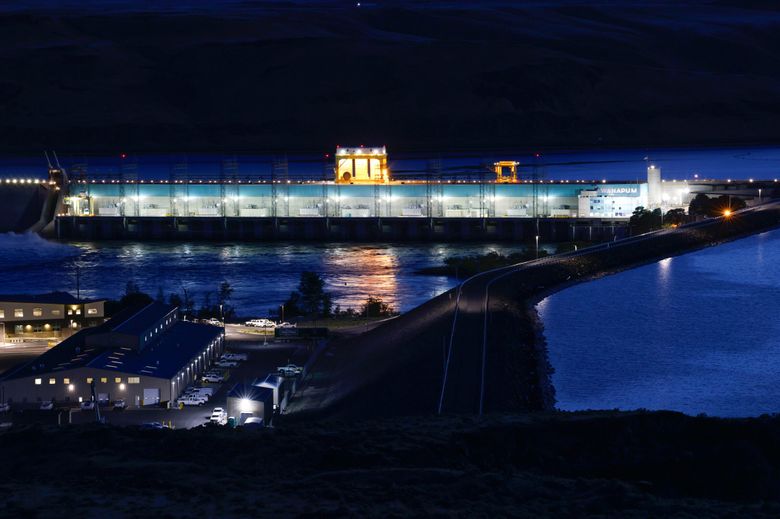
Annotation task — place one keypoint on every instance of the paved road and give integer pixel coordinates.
(466, 373)
(12, 355)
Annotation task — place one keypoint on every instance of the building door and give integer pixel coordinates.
(151, 396)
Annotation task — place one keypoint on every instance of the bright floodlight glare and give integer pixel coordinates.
(245, 405)
(727, 213)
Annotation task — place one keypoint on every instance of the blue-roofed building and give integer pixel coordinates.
(144, 356)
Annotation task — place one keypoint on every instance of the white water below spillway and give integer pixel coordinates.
(698, 333)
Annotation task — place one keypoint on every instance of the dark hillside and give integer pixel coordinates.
(570, 465)
(410, 75)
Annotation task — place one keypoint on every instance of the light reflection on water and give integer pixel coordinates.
(694, 333)
(263, 275)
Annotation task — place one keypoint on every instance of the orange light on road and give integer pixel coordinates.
(727, 213)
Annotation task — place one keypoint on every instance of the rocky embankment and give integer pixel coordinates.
(398, 367)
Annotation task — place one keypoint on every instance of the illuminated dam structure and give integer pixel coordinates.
(363, 202)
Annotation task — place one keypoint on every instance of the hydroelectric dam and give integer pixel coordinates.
(361, 201)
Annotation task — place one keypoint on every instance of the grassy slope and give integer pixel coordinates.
(631, 464)
(411, 76)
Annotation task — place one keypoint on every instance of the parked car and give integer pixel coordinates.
(191, 400)
(219, 416)
(212, 322)
(261, 323)
(235, 356)
(213, 378)
(208, 391)
(87, 405)
(4, 408)
(254, 422)
(285, 324)
(119, 405)
(196, 394)
(227, 363)
(47, 406)
(290, 370)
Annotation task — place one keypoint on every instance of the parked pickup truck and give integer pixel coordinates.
(213, 378)
(219, 416)
(191, 400)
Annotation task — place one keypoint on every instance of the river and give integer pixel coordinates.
(262, 274)
(697, 333)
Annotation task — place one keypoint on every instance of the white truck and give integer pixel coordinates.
(191, 400)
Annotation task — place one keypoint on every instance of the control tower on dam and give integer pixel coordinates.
(362, 201)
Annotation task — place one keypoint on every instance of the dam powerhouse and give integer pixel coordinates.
(360, 201)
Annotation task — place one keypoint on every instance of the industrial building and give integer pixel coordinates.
(246, 400)
(46, 316)
(144, 356)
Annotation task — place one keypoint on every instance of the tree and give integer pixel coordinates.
(702, 205)
(160, 297)
(310, 299)
(224, 294)
(699, 206)
(292, 306)
(174, 299)
(723, 203)
(133, 296)
(643, 220)
(375, 307)
(188, 302)
(206, 310)
(674, 217)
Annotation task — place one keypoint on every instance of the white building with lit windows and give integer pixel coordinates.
(144, 356)
(46, 316)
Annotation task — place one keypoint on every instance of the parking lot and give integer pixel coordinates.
(263, 358)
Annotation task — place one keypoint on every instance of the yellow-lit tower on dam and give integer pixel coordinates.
(362, 165)
(504, 166)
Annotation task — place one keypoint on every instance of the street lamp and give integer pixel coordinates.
(537, 246)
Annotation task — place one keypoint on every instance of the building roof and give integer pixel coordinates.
(143, 319)
(165, 356)
(260, 394)
(54, 298)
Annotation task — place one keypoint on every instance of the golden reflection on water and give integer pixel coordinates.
(362, 272)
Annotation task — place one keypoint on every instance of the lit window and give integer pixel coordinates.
(66, 381)
(89, 380)
(91, 311)
(118, 380)
(133, 380)
(52, 381)
(2, 314)
(104, 380)
(70, 312)
(37, 312)
(78, 311)
(56, 312)
(37, 382)
(18, 312)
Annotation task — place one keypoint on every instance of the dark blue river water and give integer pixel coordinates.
(262, 274)
(698, 333)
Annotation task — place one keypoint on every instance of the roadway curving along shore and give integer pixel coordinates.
(478, 348)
